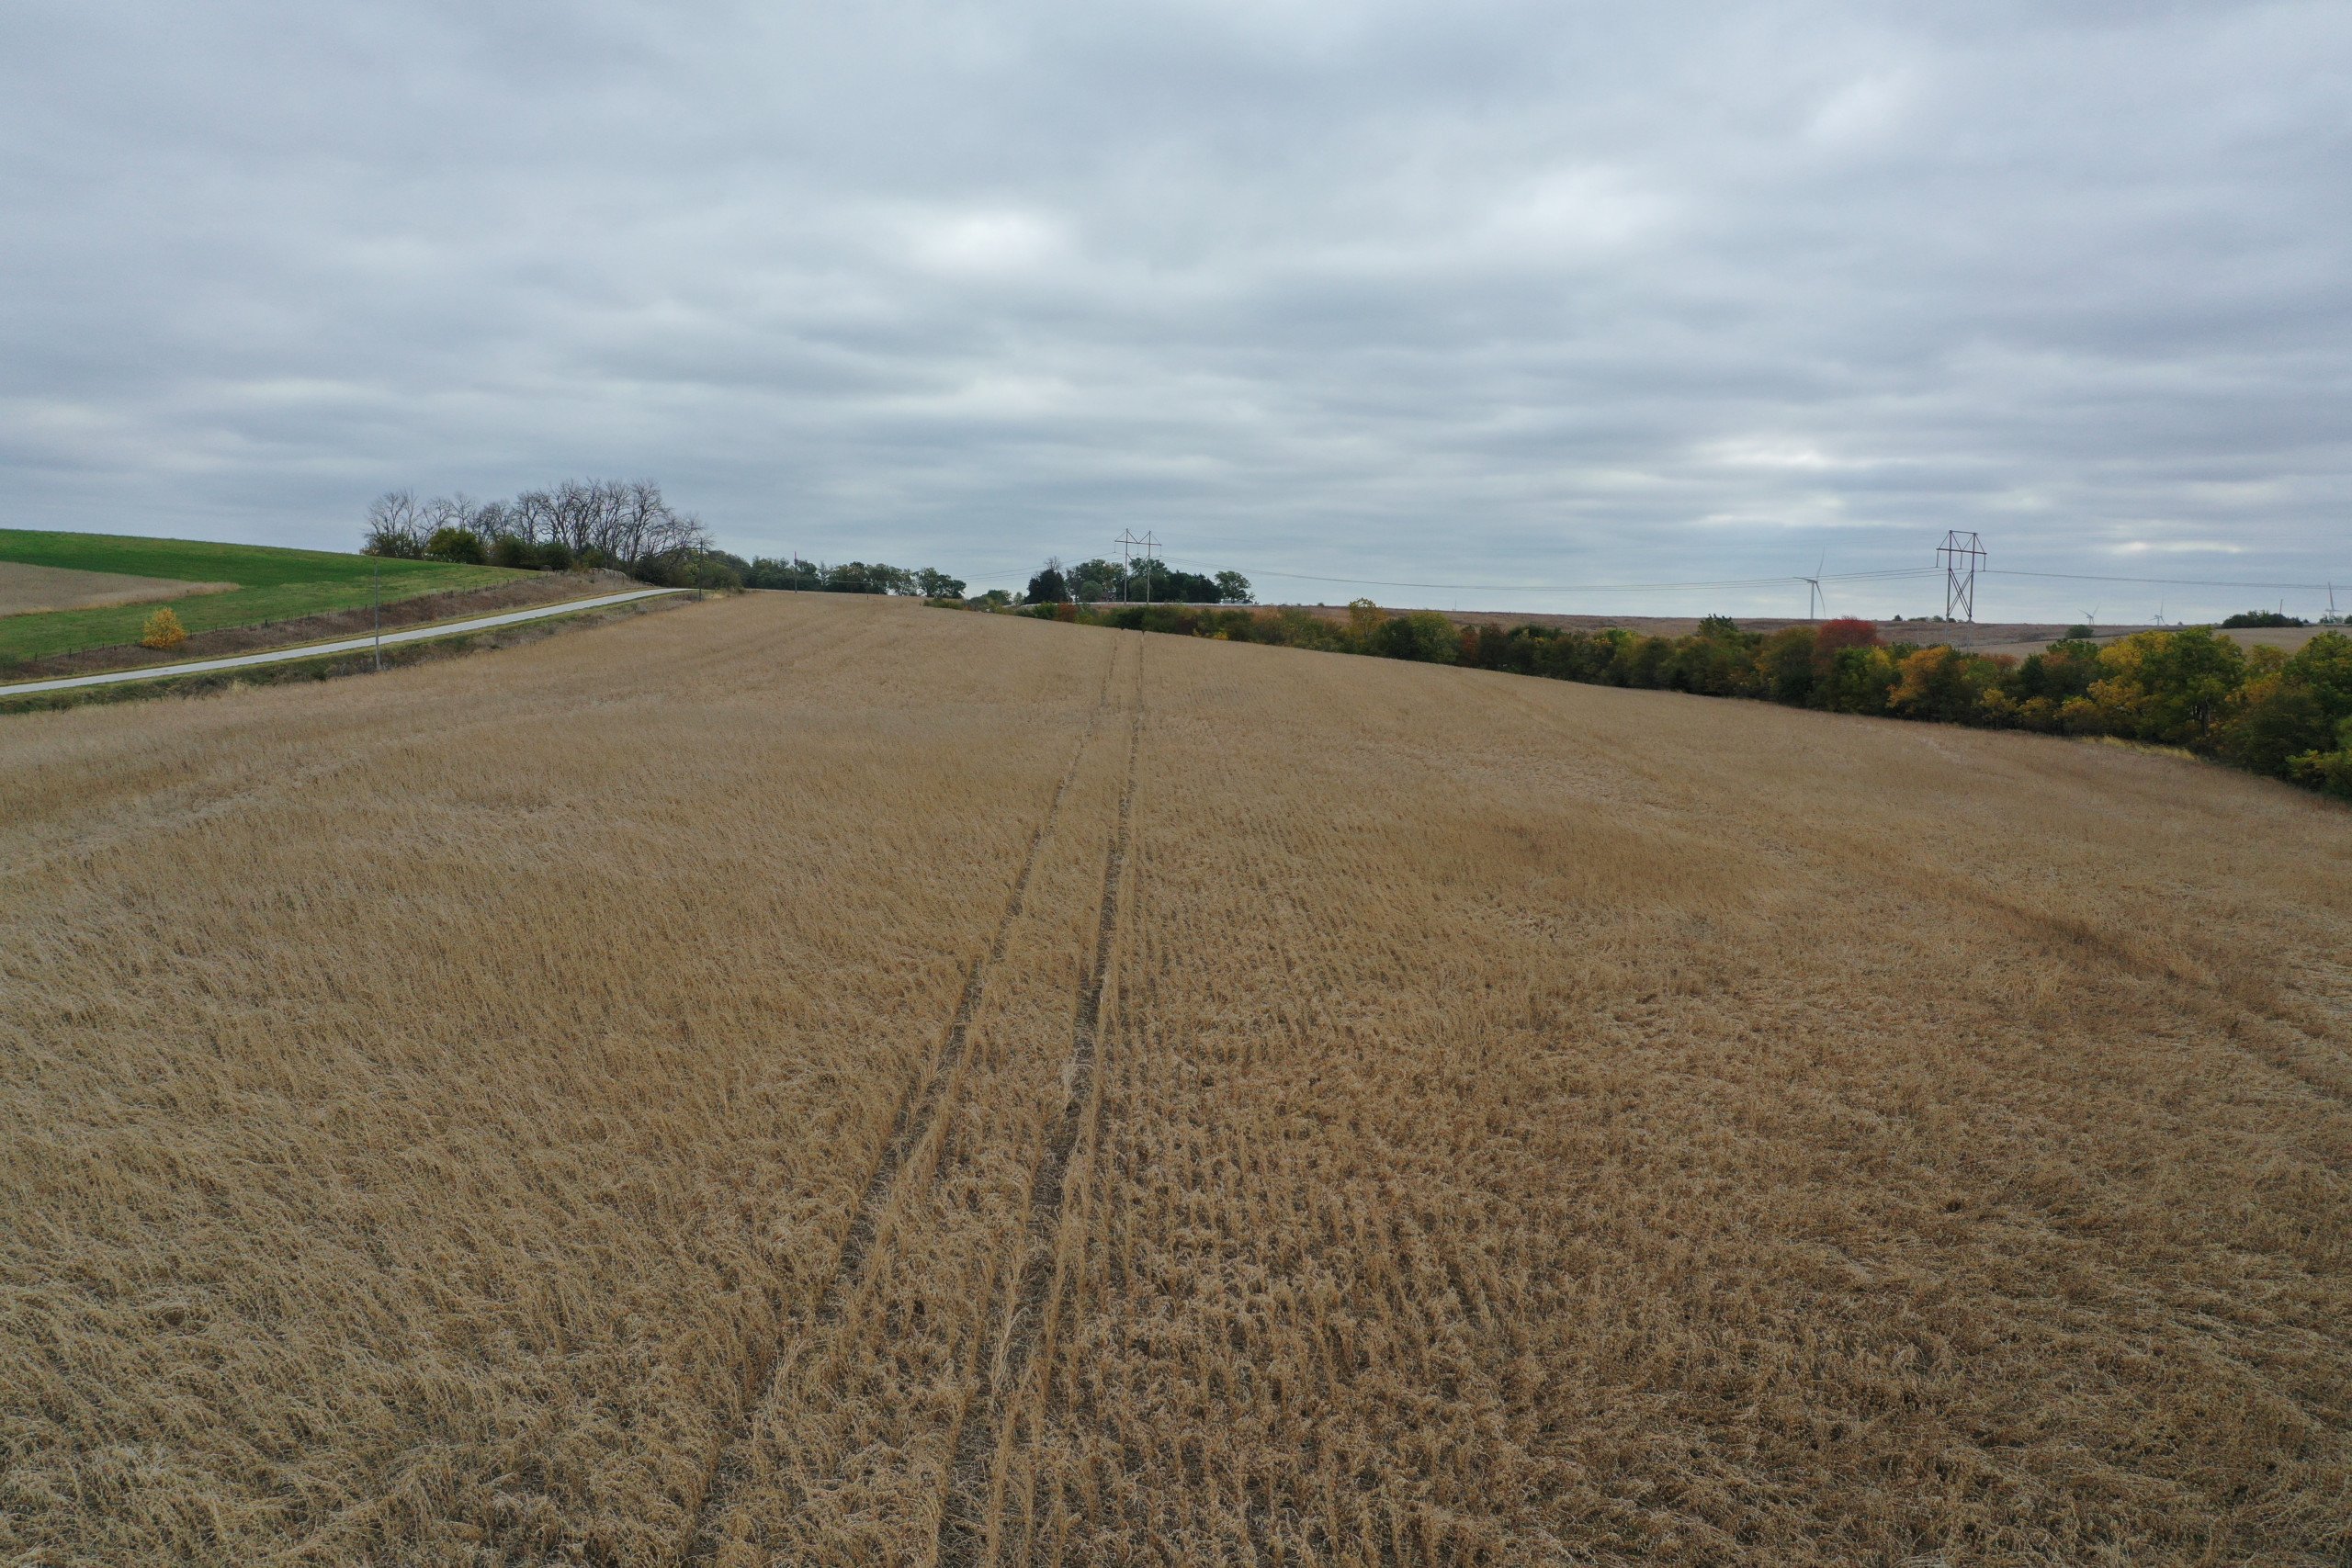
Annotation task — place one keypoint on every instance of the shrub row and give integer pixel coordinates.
(2286, 715)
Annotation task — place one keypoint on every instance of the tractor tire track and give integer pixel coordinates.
(967, 1520)
(917, 1113)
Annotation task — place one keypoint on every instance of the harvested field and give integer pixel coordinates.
(808, 1079)
(2285, 638)
(29, 589)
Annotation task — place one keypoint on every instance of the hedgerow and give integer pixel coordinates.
(2287, 716)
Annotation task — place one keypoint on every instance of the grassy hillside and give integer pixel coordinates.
(838, 1082)
(273, 585)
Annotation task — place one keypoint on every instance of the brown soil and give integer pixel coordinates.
(546, 589)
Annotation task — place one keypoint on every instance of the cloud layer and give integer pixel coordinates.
(1486, 293)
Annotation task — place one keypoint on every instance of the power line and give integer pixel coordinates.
(1790, 579)
(2164, 582)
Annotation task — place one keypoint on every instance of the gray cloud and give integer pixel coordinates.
(1476, 293)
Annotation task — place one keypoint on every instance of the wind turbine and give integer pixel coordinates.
(1814, 603)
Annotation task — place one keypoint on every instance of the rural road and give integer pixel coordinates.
(342, 645)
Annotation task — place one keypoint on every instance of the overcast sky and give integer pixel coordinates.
(1463, 293)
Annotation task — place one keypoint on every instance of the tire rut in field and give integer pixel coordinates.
(968, 1517)
(917, 1113)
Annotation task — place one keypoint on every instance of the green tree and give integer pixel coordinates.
(859, 577)
(1712, 666)
(1423, 636)
(1942, 684)
(2330, 771)
(1096, 582)
(2172, 687)
(1859, 678)
(452, 543)
(1785, 664)
(714, 573)
(2291, 706)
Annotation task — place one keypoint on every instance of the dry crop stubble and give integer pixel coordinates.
(1028, 1312)
(848, 1450)
(429, 1093)
(854, 1458)
(517, 1109)
(1700, 1139)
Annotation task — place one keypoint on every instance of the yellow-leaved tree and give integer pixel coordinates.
(163, 630)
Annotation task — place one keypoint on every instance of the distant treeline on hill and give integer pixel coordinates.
(624, 524)
(2287, 716)
(1101, 582)
(853, 577)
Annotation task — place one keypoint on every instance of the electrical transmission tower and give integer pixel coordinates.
(1150, 542)
(1127, 541)
(1960, 555)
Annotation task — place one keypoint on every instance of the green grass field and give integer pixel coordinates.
(273, 585)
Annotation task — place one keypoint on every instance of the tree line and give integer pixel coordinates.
(2287, 716)
(1100, 582)
(624, 524)
(851, 577)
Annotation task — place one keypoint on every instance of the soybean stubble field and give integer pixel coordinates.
(809, 1080)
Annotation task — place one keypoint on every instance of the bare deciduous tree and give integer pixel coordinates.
(627, 523)
(395, 525)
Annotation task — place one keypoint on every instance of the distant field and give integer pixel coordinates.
(270, 585)
(823, 1081)
(1991, 637)
(27, 589)
(2286, 638)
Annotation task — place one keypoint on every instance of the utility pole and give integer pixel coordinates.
(1960, 555)
(376, 575)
